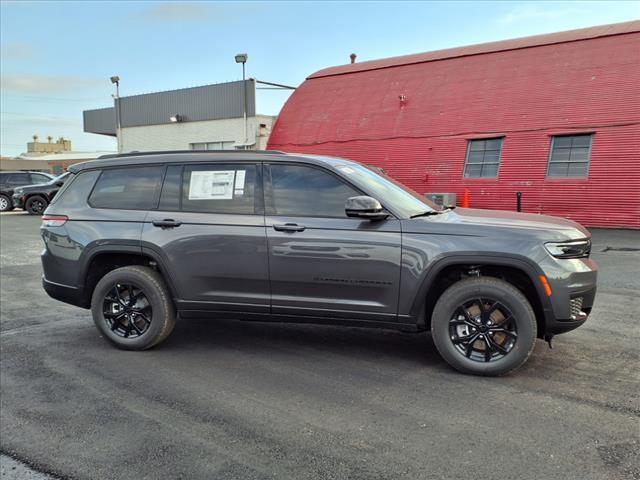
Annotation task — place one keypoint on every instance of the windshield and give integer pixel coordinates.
(387, 190)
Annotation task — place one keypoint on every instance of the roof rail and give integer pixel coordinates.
(202, 152)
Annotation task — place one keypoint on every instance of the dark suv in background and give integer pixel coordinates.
(35, 198)
(142, 239)
(9, 181)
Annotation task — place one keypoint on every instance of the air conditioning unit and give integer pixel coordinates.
(442, 199)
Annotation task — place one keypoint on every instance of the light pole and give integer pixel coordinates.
(242, 58)
(115, 79)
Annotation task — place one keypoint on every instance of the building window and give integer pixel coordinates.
(569, 156)
(212, 146)
(483, 158)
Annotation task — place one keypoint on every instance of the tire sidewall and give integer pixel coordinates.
(31, 200)
(159, 311)
(9, 204)
(494, 289)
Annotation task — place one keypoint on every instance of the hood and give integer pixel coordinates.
(473, 221)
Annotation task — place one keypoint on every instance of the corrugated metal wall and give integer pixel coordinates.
(101, 120)
(525, 95)
(209, 102)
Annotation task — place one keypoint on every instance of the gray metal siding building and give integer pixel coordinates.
(209, 102)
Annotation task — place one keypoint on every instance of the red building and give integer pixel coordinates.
(556, 117)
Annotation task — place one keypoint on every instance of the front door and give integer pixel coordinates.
(321, 262)
(209, 231)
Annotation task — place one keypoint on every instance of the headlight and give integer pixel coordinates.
(573, 249)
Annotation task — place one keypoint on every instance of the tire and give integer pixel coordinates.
(148, 321)
(5, 203)
(503, 338)
(36, 205)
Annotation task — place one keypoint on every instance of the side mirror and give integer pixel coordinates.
(365, 207)
(59, 183)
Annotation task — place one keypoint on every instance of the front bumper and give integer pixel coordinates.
(573, 296)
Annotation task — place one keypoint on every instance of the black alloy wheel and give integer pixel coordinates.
(36, 205)
(127, 311)
(483, 329)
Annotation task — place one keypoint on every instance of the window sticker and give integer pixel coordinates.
(211, 185)
(239, 188)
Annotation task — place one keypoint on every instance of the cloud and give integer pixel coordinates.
(17, 51)
(529, 12)
(179, 12)
(43, 84)
(176, 12)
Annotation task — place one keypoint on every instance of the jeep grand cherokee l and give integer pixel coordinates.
(143, 239)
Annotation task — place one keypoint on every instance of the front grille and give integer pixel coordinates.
(575, 305)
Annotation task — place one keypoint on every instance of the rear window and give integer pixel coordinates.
(134, 188)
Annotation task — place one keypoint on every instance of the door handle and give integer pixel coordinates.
(166, 223)
(289, 227)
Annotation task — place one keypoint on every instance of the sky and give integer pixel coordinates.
(57, 57)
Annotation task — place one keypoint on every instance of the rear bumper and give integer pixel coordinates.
(64, 293)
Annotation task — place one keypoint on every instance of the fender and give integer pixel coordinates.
(97, 247)
(117, 247)
(440, 262)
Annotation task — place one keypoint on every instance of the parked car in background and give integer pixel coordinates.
(35, 198)
(144, 239)
(9, 181)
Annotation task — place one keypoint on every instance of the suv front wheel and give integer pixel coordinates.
(132, 308)
(484, 326)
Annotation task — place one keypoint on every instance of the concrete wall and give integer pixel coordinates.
(179, 136)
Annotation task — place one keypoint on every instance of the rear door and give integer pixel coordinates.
(209, 232)
(321, 262)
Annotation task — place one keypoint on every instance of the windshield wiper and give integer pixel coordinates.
(429, 213)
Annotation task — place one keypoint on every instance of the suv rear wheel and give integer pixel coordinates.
(484, 326)
(132, 308)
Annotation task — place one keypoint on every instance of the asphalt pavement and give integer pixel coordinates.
(238, 400)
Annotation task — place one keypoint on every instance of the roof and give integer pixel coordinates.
(191, 156)
(483, 48)
(63, 156)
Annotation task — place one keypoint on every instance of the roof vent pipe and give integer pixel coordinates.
(353, 57)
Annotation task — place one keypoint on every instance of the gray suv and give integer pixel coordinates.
(142, 239)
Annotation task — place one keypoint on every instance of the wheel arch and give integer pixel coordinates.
(103, 259)
(447, 269)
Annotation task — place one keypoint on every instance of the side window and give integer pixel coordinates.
(219, 188)
(483, 158)
(19, 179)
(306, 191)
(569, 156)
(37, 178)
(134, 188)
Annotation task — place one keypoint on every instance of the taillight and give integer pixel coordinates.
(54, 220)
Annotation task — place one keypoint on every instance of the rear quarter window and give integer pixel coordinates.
(131, 188)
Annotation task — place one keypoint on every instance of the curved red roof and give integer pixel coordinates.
(512, 44)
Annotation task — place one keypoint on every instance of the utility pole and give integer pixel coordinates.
(242, 58)
(116, 80)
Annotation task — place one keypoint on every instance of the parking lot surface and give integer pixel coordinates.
(230, 399)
